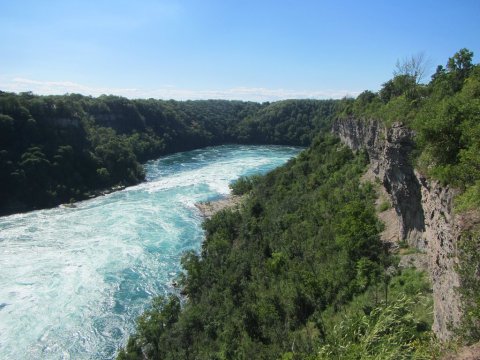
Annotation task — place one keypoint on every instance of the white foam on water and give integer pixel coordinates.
(73, 280)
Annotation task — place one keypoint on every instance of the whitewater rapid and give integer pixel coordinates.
(73, 280)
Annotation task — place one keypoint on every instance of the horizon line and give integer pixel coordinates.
(240, 93)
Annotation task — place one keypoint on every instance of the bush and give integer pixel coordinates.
(384, 206)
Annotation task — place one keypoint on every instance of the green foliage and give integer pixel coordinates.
(54, 148)
(243, 184)
(445, 115)
(367, 103)
(399, 85)
(289, 122)
(386, 332)
(459, 67)
(407, 250)
(371, 328)
(271, 275)
(470, 199)
(448, 131)
(384, 206)
(152, 324)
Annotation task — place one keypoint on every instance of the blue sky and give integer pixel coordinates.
(248, 50)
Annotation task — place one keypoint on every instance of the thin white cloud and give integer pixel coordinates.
(58, 87)
(18, 84)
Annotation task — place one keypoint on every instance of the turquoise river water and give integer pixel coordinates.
(73, 280)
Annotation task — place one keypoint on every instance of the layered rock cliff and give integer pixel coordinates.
(423, 208)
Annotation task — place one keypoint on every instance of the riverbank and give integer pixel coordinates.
(21, 208)
(210, 208)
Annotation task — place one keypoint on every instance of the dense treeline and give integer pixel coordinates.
(274, 278)
(445, 113)
(54, 149)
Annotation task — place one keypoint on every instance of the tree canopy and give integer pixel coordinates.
(445, 114)
(54, 149)
(274, 278)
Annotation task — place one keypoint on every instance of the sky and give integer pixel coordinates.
(226, 49)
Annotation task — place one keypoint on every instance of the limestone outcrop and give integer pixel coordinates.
(423, 207)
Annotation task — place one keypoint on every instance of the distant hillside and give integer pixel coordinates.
(54, 149)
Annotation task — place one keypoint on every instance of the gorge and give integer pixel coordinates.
(311, 265)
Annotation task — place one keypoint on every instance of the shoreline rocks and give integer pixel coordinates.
(209, 208)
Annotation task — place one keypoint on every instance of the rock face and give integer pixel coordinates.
(423, 208)
(389, 153)
(441, 233)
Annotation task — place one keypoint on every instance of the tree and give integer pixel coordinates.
(461, 61)
(399, 85)
(459, 66)
(415, 67)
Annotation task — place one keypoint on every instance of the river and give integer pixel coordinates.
(73, 280)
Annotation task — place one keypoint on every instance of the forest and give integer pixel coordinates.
(299, 271)
(60, 149)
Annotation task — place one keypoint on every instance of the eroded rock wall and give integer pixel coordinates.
(389, 152)
(423, 207)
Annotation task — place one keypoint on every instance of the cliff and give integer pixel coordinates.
(423, 207)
